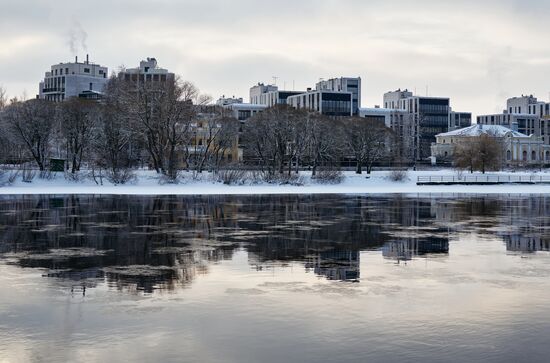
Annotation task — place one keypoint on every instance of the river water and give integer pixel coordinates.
(274, 278)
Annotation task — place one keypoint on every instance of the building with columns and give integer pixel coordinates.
(519, 149)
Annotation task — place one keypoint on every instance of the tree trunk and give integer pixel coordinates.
(359, 169)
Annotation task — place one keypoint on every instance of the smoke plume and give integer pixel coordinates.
(77, 38)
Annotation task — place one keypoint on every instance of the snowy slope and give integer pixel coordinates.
(147, 184)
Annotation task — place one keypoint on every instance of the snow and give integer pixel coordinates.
(378, 183)
(478, 129)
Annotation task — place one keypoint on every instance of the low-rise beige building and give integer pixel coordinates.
(519, 149)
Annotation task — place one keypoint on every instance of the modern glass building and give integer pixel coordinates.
(335, 104)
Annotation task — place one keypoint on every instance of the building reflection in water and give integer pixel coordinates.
(336, 265)
(143, 244)
(406, 250)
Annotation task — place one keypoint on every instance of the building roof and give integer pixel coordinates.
(245, 106)
(478, 129)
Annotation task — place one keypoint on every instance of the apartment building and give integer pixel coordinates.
(73, 79)
(224, 101)
(459, 120)
(525, 114)
(344, 84)
(430, 117)
(147, 72)
(329, 103)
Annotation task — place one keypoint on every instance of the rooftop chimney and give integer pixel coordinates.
(87, 59)
(76, 59)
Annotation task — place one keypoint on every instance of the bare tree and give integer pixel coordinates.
(270, 137)
(217, 132)
(324, 140)
(77, 121)
(31, 123)
(464, 155)
(114, 141)
(163, 113)
(3, 98)
(489, 149)
(481, 153)
(367, 141)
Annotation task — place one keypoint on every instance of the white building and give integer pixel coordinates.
(258, 90)
(224, 101)
(519, 149)
(244, 111)
(77, 79)
(329, 103)
(344, 84)
(270, 95)
(525, 114)
(148, 71)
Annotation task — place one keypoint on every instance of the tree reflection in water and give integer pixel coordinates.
(143, 244)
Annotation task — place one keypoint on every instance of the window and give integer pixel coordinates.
(508, 155)
(86, 70)
(91, 86)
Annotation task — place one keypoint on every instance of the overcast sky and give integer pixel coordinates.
(478, 53)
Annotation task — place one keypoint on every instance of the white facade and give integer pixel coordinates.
(391, 99)
(525, 114)
(224, 101)
(258, 90)
(148, 71)
(66, 80)
(520, 104)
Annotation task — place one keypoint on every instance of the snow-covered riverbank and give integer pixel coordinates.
(147, 183)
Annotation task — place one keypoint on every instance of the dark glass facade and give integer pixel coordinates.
(336, 104)
(433, 119)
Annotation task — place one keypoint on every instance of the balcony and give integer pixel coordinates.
(53, 90)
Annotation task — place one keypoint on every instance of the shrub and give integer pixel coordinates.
(46, 174)
(13, 176)
(398, 175)
(292, 179)
(171, 179)
(329, 176)
(121, 176)
(231, 176)
(76, 177)
(28, 175)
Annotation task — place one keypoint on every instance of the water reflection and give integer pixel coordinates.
(143, 244)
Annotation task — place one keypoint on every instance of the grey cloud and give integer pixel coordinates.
(225, 46)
